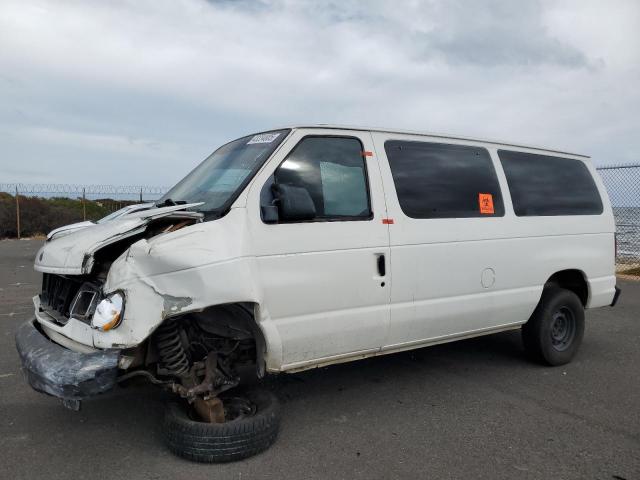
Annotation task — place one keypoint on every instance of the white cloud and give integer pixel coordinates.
(93, 141)
(188, 75)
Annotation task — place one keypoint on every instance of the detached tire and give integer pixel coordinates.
(554, 332)
(223, 442)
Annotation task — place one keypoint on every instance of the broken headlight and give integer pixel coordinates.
(109, 311)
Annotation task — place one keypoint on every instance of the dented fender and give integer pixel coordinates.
(186, 271)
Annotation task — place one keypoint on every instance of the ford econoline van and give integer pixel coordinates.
(313, 245)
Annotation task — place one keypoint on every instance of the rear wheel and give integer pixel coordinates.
(554, 332)
(250, 427)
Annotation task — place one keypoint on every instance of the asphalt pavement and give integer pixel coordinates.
(470, 409)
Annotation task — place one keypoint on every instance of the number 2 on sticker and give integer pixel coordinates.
(486, 203)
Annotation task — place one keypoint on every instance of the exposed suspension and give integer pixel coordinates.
(173, 358)
(201, 362)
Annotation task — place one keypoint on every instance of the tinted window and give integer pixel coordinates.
(546, 185)
(435, 180)
(332, 170)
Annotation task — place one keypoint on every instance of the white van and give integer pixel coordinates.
(312, 245)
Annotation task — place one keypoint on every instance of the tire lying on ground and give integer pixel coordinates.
(554, 332)
(223, 442)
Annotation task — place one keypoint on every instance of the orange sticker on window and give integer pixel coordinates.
(486, 203)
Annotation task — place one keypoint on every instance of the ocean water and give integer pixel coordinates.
(628, 230)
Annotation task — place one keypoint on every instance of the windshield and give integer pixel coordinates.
(221, 177)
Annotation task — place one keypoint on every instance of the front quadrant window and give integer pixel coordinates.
(435, 180)
(333, 171)
(544, 185)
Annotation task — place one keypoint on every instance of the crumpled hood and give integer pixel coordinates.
(69, 228)
(73, 254)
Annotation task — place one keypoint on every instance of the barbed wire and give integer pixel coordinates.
(77, 188)
(618, 166)
(67, 188)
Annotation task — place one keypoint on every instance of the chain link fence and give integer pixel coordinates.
(28, 209)
(70, 190)
(623, 185)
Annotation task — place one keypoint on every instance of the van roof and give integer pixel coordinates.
(438, 135)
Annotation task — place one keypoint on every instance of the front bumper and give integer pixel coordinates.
(63, 373)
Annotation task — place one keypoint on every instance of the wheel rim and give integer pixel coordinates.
(236, 408)
(563, 328)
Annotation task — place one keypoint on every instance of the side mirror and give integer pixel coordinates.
(294, 203)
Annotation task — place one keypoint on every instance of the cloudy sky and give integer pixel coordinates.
(138, 92)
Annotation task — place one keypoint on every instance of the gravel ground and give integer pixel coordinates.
(471, 409)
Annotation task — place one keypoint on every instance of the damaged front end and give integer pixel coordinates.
(60, 348)
(119, 303)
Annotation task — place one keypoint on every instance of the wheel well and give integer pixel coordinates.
(573, 280)
(234, 321)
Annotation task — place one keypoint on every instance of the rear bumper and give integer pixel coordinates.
(63, 373)
(616, 296)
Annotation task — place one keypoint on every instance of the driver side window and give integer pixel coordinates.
(332, 172)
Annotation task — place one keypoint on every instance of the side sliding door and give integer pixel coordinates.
(451, 276)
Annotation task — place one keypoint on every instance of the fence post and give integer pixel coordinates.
(140, 194)
(17, 213)
(84, 208)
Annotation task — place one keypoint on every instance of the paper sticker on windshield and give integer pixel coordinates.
(486, 203)
(263, 138)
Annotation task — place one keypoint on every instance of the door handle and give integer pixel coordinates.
(382, 267)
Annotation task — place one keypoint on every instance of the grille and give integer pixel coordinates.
(64, 297)
(58, 292)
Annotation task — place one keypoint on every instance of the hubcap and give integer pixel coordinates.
(563, 328)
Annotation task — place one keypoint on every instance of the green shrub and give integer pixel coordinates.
(38, 216)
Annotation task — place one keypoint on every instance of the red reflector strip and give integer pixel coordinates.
(387, 221)
(367, 154)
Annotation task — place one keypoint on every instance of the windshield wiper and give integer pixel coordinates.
(170, 203)
(212, 214)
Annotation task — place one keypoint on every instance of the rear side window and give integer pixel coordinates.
(333, 171)
(435, 180)
(543, 185)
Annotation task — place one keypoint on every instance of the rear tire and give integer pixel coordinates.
(223, 442)
(554, 332)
